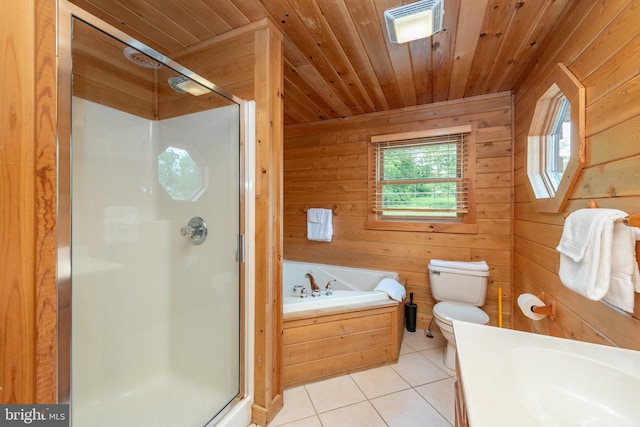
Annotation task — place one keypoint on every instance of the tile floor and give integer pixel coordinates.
(416, 391)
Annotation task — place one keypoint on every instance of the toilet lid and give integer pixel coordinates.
(448, 311)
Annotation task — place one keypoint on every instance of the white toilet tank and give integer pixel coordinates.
(459, 281)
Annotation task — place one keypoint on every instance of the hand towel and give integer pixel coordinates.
(586, 251)
(319, 224)
(394, 289)
(625, 277)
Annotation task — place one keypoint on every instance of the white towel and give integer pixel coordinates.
(625, 277)
(586, 251)
(319, 226)
(394, 289)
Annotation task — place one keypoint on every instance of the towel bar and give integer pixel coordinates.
(335, 209)
(632, 220)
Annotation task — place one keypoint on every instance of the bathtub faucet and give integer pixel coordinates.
(315, 289)
(329, 288)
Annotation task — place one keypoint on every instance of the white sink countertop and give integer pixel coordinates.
(513, 378)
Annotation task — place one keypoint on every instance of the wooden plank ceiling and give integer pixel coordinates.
(338, 60)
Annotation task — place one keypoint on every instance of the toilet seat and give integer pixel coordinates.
(447, 311)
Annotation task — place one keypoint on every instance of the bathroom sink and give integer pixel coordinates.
(514, 378)
(562, 389)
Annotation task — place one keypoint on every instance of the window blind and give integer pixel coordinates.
(423, 177)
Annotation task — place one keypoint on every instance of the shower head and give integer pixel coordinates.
(182, 84)
(140, 58)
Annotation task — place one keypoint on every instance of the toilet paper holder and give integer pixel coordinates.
(547, 309)
(535, 307)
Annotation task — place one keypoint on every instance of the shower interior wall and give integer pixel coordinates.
(146, 321)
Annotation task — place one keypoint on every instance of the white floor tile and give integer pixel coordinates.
(416, 391)
(358, 415)
(419, 341)
(405, 348)
(417, 370)
(379, 381)
(297, 406)
(306, 422)
(406, 409)
(441, 395)
(436, 356)
(334, 393)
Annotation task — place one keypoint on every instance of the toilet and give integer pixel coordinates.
(460, 289)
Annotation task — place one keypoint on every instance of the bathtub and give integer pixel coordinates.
(350, 286)
(355, 328)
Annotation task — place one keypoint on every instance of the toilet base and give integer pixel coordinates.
(449, 357)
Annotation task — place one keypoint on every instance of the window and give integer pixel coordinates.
(555, 142)
(422, 180)
(559, 142)
(180, 175)
(552, 146)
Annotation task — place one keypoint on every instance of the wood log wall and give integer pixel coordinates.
(27, 203)
(600, 44)
(325, 165)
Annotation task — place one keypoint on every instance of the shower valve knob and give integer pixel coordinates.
(187, 231)
(196, 229)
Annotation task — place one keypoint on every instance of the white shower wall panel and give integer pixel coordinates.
(120, 299)
(206, 136)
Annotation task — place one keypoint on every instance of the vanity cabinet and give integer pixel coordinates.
(461, 410)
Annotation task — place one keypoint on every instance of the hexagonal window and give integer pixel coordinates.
(180, 175)
(555, 142)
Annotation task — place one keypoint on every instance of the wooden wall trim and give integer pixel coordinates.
(45, 201)
(229, 35)
(268, 86)
(260, 78)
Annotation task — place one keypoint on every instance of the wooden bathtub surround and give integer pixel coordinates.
(594, 47)
(323, 343)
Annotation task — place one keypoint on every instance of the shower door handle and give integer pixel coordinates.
(196, 229)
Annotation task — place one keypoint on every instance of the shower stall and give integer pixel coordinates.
(152, 231)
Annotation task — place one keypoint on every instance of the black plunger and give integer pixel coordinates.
(410, 312)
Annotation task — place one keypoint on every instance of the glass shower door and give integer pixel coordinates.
(155, 224)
